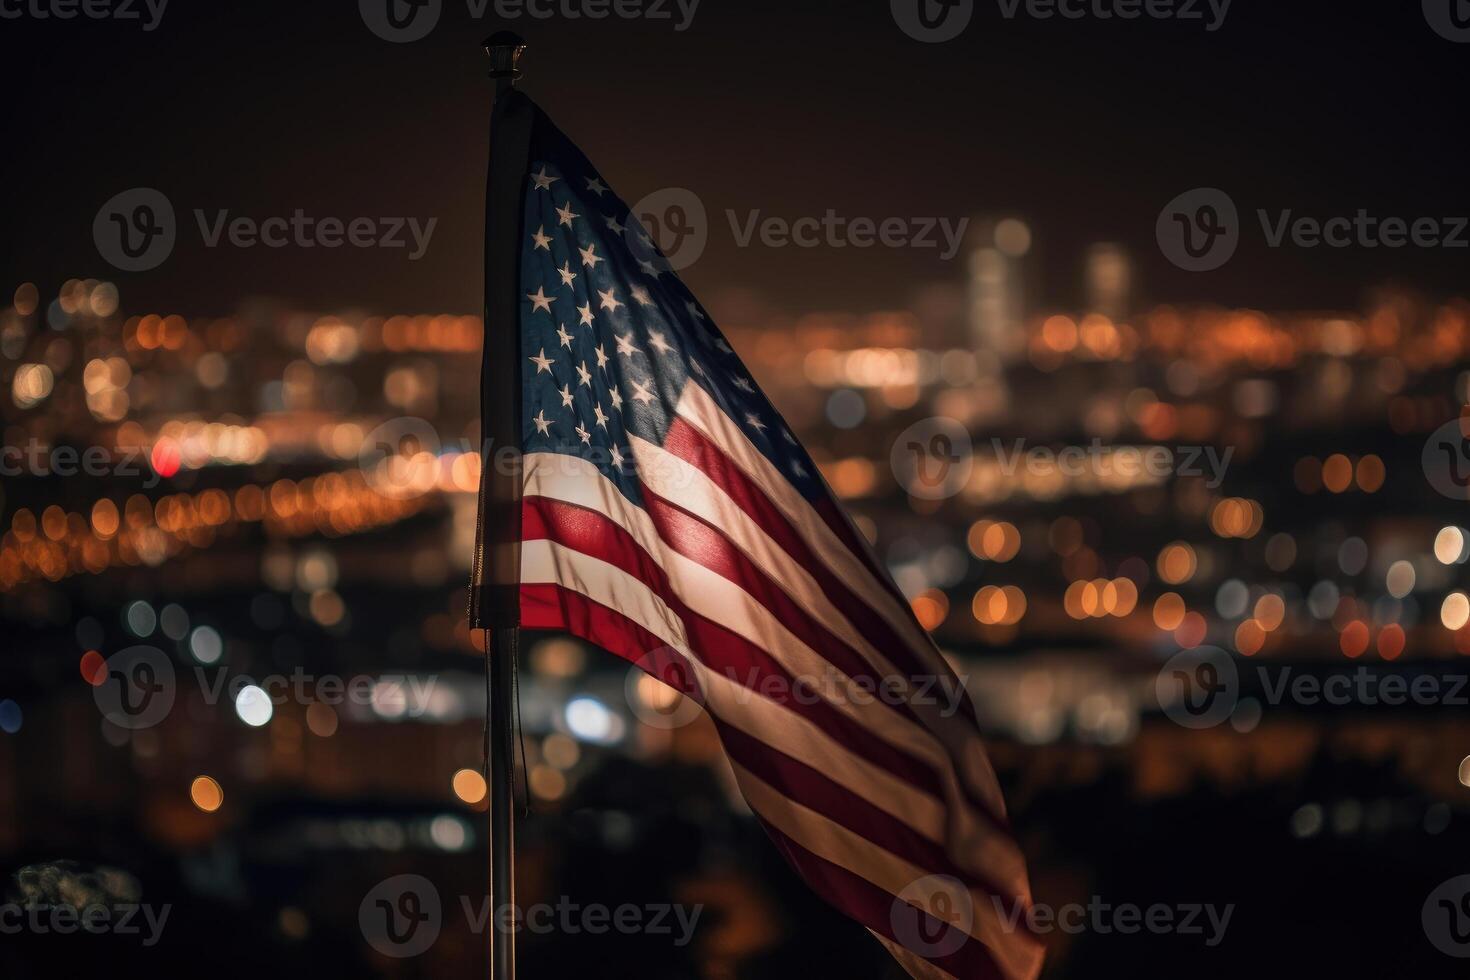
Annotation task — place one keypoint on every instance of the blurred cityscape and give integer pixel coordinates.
(276, 493)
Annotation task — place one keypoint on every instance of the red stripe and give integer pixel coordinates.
(833, 516)
(809, 787)
(552, 607)
(695, 539)
(590, 531)
(547, 606)
(872, 906)
(724, 651)
(557, 607)
(689, 444)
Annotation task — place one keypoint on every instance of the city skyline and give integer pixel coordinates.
(1161, 116)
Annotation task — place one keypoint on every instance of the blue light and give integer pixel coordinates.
(591, 721)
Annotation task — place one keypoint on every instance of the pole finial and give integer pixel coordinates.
(504, 49)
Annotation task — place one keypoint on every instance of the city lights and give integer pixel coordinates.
(206, 794)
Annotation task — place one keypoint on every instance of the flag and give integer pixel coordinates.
(670, 516)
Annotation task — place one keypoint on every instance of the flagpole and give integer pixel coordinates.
(500, 777)
(494, 595)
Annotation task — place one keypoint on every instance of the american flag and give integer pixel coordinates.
(670, 516)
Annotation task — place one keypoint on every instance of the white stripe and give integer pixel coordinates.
(680, 482)
(699, 409)
(685, 485)
(573, 480)
(546, 562)
(720, 600)
(1016, 955)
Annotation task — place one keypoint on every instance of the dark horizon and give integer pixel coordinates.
(1085, 129)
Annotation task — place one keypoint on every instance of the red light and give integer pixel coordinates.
(165, 457)
(94, 668)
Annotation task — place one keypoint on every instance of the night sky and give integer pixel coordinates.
(1085, 128)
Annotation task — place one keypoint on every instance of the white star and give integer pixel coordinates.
(789, 437)
(616, 397)
(720, 343)
(590, 256)
(696, 367)
(616, 457)
(542, 362)
(540, 301)
(641, 295)
(584, 376)
(657, 340)
(641, 393)
(601, 356)
(625, 345)
(595, 185)
(542, 239)
(601, 415)
(609, 302)
(543, 424)
(586, 436)
(586, 314)
(798, 469)
(744, 385)
(567, 275)
(650, 268)
(564, 215)
(617, 228)
(753, 420)
(544, 180)
(693, 310)
(563, 336)
(566, 396)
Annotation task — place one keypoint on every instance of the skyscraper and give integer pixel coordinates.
(996, 286)
(1108, 274)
